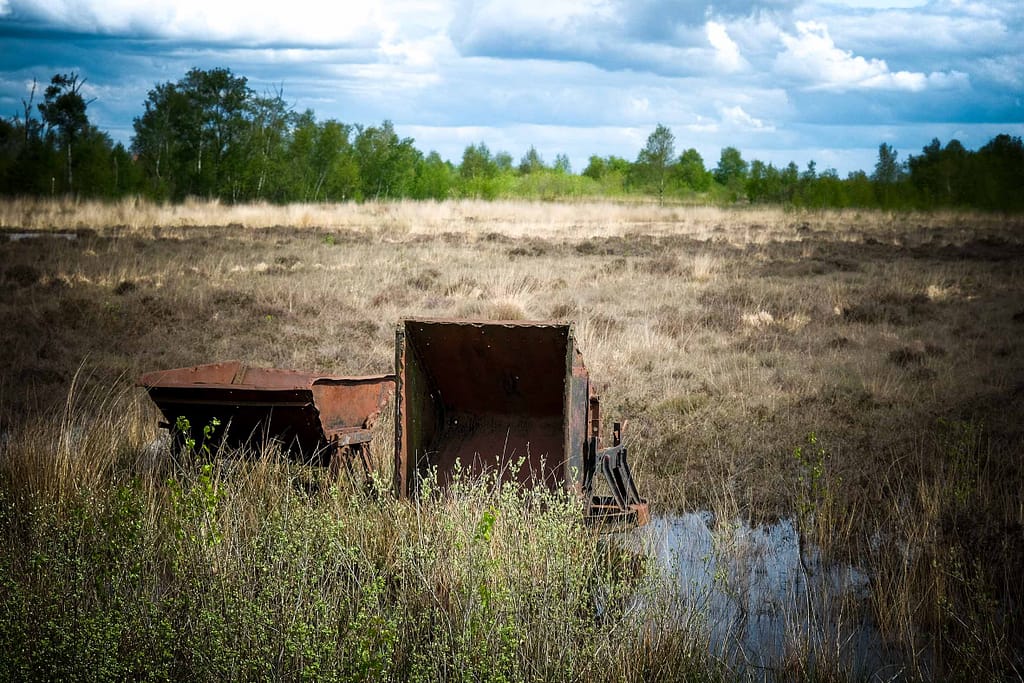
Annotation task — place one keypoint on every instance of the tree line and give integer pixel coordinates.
(211, 135)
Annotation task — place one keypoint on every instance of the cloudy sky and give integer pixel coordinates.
(779, 79)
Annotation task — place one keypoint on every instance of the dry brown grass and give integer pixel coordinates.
(400, 220)
(725, 337)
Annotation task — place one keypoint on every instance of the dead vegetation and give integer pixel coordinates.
(725, 338)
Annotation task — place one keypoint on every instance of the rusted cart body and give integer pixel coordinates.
(313, 417)
(512, 397)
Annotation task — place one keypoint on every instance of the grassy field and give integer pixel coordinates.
(726, 337)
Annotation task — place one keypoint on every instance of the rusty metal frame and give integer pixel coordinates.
(441, 363)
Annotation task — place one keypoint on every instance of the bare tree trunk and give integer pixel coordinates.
(28, 112)
(319, 183)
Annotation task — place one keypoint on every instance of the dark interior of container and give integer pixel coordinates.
(486, 396)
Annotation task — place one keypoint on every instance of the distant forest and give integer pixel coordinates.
(210, 135)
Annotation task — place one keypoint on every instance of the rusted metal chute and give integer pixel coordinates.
(323, 419)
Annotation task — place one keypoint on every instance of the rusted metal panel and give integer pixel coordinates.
(227, 374)
(344, 403)
(577, 444)
(402, 471)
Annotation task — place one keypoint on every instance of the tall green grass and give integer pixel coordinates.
(124, 560)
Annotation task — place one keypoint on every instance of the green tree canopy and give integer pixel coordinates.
(596, 167)
(322, 164)
(531, 162)
(387, 163)
(656, 158)
(731, 169)
(1001, 170)
(191, 135)
(731, 172)
(690, 171)
(888, 173)
(887, 168)
(503, 161)
(477, 163)
(209, 134)
(562, 164)
(63, 111)
(435, 178)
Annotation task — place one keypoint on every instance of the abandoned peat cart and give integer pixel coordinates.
(511, 397)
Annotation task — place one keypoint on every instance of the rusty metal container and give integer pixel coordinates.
(511, 397)
(314, 417)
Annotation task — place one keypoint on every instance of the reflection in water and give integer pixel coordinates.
(764, 609)
(19, 236)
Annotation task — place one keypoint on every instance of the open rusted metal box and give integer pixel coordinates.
(512, 397)
(324, 419)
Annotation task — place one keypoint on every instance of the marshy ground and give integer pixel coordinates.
(858, 373)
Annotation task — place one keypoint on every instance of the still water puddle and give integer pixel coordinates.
(35, 234)
(763, 607)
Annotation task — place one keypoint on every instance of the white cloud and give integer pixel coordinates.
(1006, 70)
(703, 126)
(884, 4)
(737, 118)
(641, 106)
(988, 8)
(542, 14)
(921, 33)
(812, 56)
(299, 22)
(423, 53)
(727, 52)
(479, 23)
